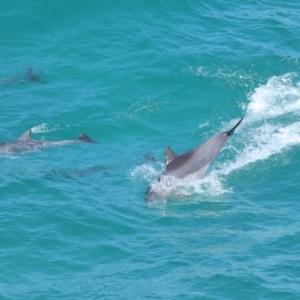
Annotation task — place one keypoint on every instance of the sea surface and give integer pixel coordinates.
(137, 76)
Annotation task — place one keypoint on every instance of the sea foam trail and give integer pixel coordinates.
(270, 127)
(280, 96)
(271, 123)
(45, 127)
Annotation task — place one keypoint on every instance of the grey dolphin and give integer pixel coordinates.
(192, 164)
(24, 143)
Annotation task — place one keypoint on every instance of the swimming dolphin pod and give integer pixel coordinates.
(190, 165)
(24, 143)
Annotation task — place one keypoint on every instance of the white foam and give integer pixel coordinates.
(211, 185)
(45, 127)
(145, 172)
(261, 144)
(281, 95)
(204, 125)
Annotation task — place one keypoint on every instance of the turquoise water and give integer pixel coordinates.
(138, 76)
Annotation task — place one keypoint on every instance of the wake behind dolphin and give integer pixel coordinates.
(25, 144)
(190, 165)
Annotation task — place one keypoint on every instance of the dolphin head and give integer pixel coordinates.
(163, 187)
(152, 195)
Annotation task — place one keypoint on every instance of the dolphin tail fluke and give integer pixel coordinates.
(84, 138)
(231, 131)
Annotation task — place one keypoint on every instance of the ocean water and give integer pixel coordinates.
(138, 76)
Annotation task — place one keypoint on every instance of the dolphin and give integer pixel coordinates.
(30, 76)
(190, 165)
(25, 144)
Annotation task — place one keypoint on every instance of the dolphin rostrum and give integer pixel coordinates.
(24, 143)
(190, 165)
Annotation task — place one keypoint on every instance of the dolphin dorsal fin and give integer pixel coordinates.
(169, 155)
(25, 136)
(84, 138)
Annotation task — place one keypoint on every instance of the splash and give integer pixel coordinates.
(270, 128)
(169, 186)
(267, 140)
(145, 172)
(45, 127)
(280, 96)
(271, 125)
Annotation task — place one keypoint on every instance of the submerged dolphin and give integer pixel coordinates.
(192, 164)
(24, 143)
(31, 76)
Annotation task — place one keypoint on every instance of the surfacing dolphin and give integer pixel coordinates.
(29, 76)
(25, 144)
(189, 165)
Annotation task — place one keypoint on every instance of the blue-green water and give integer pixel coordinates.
(138, 76)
